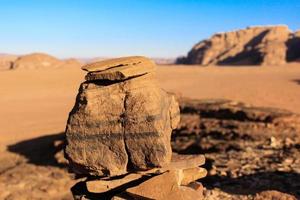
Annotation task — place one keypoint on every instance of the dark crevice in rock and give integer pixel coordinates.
(107, 82)
(293, 51)
(130, 165)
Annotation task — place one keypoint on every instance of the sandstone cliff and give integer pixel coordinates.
(269, 45)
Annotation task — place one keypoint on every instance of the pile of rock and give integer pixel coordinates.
(258, 45)
(120, 130)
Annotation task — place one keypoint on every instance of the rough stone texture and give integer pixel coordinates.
(247, 149)
(184, 193)
(119, 68)
(121, 126)
(250, 46)
(182, 165)
(131, 62)
(293, 44)
(196, 186)
(228, 118)
(166, 186)
(157, 187)
(100, 186)
(274, 195)
(192, 174)
(186, 161)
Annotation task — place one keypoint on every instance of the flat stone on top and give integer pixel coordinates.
(119, 68)
(116, 62)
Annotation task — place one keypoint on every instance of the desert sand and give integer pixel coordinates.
(37, 102)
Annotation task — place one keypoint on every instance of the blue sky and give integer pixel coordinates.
(165, 28)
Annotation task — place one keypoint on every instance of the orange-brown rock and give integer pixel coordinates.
(165, 186)
(114, 69)
(123, 125)
(251, 46)
(293, 44)
(274, 195)
(185, 168)
(157, 187)
(192, 174)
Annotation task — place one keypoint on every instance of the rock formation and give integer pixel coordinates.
(293, 44)
(6, 61)
(268, 45)
(121, 123)
(40, 60)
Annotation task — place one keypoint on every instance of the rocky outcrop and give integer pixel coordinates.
(293, 44)
(6, 61)
(122, 120)
(270, 45)
(40, 61)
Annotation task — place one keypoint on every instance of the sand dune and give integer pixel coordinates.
(37, 102)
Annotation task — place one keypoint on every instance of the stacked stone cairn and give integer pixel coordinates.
(118, 136)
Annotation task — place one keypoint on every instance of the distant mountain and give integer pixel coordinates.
(260, 45)
(34, 61)
(42, 60)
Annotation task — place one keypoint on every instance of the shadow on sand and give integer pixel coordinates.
(296, 81)
(40, 150)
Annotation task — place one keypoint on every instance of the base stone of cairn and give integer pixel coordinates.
(119, 133)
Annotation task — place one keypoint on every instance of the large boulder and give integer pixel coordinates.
(251, 46)
(122, 120)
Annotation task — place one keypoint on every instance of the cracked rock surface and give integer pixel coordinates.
(122, 120)
(258, 45)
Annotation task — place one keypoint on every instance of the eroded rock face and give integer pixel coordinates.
(120, 123)
(250, 46)
(293, 44)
